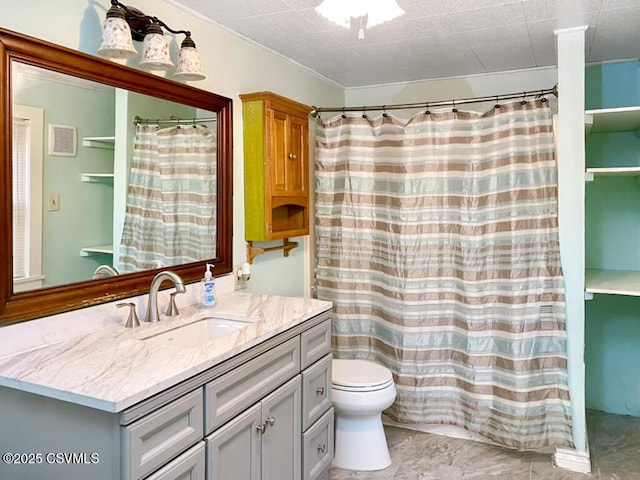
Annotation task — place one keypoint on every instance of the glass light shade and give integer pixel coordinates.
(155, 51)
(116, 38)
(340, 12)
(189, 65)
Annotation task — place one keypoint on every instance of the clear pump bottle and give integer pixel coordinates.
(208, 288)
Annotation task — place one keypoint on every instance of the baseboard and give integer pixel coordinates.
(573, 460)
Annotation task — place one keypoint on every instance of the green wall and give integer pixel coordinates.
(612, 322)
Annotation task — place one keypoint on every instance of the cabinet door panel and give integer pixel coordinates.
(279, 152)
(281, 441)
(296, 171)
(318, 448)
(315, 343)
(230, 394)
(151, 441)
(316, 391)
(234, 450)
(188, 466)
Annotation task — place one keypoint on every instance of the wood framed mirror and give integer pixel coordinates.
(23, 55)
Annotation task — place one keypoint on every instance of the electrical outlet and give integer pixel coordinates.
(54, 202)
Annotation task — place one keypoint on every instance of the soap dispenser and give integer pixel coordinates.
(208, 288)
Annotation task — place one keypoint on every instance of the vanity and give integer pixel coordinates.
(247, 397)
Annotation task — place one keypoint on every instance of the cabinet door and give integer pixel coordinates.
(281, 439)
(234, 451)
(289, 176)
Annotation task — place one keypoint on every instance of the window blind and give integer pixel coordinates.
(20, 187)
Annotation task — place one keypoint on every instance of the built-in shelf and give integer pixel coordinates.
(96, 177)
(103, 249)
(613, 282)
(99, 142)
(622, 119)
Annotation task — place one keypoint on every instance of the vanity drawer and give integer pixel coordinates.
(315, 343)
(316, 391)
(188, 466)
(235, 391)
(318, 448)
(148, 443)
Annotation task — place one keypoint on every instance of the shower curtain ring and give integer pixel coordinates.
(364, 111)
(343, 114)
(384, 111)
(454, 109)
(427, 112)
(524, 98)
(497, 102)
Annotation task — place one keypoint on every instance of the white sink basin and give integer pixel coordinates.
(196, 333)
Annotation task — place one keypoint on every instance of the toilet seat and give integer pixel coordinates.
(359, 376)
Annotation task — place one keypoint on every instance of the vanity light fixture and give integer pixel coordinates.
(124, 24)
(369, 12)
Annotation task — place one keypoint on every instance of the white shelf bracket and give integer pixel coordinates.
(588, 296)
(588, 176)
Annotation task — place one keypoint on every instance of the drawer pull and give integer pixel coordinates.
(322, 448)
(320, 390)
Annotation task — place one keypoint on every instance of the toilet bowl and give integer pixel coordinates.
(360, 391)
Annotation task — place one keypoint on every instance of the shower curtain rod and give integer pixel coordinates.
(137, 120)
(441, 103)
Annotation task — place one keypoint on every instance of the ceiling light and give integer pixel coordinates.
(369, 12)
(124, 24)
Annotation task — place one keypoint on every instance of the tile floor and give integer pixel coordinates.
(614, 444)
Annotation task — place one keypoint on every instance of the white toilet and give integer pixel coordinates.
(360, 391)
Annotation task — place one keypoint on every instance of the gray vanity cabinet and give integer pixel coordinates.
(262, 443)
(264, 414)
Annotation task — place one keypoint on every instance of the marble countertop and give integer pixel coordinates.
(112, 367)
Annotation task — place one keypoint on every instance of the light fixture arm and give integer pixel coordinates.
(138, 22)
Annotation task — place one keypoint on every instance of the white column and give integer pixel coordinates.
(571, 196)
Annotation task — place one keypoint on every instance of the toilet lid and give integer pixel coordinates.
(359, 374)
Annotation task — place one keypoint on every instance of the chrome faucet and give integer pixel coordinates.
(105, 271)
(152, 305)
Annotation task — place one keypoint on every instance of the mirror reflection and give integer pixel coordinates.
(106, 181)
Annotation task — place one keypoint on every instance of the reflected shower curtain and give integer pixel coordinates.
(437, 241)
(170, 215)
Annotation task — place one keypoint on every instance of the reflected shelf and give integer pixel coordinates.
(99, 142)
(96, 177)
(102, 249)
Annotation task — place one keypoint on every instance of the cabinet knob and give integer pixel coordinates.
(271, 421)
(262, 428)
(322, 448)
(320, 390)
(292, 156)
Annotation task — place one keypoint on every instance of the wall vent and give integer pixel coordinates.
(62, 140)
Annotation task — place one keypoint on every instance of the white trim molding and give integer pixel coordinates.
(573, 460)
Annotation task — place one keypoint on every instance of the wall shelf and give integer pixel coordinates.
(102, 249)
(613, 282)
(622, 119)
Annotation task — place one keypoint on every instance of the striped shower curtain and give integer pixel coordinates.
(171, 206)
(437, 241)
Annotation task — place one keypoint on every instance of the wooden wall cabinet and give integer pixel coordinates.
(276, 167)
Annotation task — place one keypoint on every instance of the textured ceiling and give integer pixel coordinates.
(433, 39)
